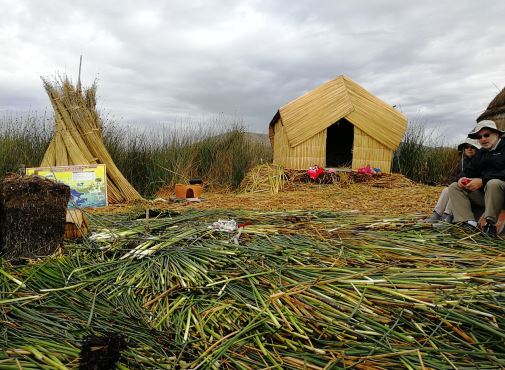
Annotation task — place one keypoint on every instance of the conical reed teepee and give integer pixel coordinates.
(78, 136)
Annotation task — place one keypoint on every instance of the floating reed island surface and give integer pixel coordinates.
(268, 188)
(288, 290)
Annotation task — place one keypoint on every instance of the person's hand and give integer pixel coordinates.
(462, 182)
(474, 184)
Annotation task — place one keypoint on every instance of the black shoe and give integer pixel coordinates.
(433, 219)
(447, 218)
(489, 229)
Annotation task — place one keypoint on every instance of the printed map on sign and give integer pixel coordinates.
(88, 183)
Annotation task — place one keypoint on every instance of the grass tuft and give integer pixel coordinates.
(23, 139)
(423, 159)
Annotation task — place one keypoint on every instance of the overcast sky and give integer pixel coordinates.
(440, 62)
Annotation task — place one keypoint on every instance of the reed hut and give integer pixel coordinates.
(338, 124)
(495, 111)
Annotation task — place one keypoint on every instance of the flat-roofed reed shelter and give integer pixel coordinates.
(338, 124)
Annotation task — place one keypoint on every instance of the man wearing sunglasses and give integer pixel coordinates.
(483, 184)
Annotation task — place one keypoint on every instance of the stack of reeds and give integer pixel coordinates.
(384, 180)
(78, 138)
(260, 179)
(302, 290)
(264, 178)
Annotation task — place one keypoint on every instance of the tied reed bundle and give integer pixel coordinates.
(78, 136)
(264, 178)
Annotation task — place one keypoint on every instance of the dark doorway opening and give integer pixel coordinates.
(339, 141)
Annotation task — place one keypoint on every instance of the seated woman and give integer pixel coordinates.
(443, 209)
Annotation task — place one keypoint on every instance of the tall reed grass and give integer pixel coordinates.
(220, 153)
(424, 158)
(220, 156)
(23, 139)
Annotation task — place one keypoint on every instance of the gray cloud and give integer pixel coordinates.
(440, 62)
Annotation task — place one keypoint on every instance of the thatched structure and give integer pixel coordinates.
(495, 111)
(78, 137)
(338, 124)
(32, 216)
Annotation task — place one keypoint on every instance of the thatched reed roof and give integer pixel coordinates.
(78, 136)
(496, 107)
(340, 98)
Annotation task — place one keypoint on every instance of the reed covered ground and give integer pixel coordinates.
(291, 290)
(416, 199)
(321, 276)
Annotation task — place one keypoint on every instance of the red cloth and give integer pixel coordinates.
(367, 170)
(315, 171)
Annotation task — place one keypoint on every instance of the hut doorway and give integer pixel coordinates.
(339, 142)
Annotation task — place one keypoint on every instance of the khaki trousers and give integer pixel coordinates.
(443, 204)
(492, 198)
